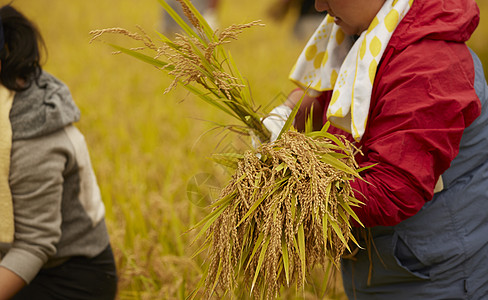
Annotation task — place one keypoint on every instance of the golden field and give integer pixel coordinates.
(148, 147)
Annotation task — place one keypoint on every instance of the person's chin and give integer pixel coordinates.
(348, 30)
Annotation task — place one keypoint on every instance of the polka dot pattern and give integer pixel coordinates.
(375, 46)
(373, 24)
(362, 50)
(333, 77)
(317, 62)
(310, 52)
(340, 37)
(325, 58)
(391, 20)
(335, 61)
(335, 96)
(372, 70)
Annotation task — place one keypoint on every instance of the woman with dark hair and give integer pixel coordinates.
(53, 238)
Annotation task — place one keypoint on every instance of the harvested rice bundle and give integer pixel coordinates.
(284, 212)
(287, 207)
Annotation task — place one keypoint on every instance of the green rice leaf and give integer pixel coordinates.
(326, 126)
(219, 270)
(354, 201)
(209, 220)
(199, 285)
(301, 248)
(338, 231)
(210, 215)
(256, 247)
(252, 209)
(143, 57)
(366, 167)
(260, 261)
(336, 163)
(338, 155)
(227, 159)
(280, 267)
(167, 41)
(286, 260)
(246, 93)
(245, 248)
(291, 117)
(325, 232)
(343, 216)
(209, 223)
(333, 138)
(204, 246)
(224, 200)
(328, 188)
(352, 238)
(327, 278)
(281, 167)
(205, 96)
(309, 122)
(259, 201)
(351, 212)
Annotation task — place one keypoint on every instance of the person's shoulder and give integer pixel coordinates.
(427, 58)
(430, 70)
(40, 157)
(40, 147)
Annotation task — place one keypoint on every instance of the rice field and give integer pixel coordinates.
(150, 149)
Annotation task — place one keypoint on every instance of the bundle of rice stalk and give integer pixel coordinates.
(284, 212)
(287, 207)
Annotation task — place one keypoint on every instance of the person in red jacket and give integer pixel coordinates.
(396, 77)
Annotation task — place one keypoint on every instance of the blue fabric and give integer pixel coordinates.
(442, 251)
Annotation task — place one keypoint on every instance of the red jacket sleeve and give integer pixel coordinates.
(421, 103)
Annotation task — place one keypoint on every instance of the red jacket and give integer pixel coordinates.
(423, 98)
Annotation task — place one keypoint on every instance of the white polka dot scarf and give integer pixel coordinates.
(333, 61)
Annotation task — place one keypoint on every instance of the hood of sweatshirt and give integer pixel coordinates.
(45, 107)
(447, 20)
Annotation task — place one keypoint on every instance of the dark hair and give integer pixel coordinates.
(20, 57)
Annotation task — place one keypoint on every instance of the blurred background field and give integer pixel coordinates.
(148, 148)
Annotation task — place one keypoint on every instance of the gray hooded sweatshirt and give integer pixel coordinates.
(58, 211)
